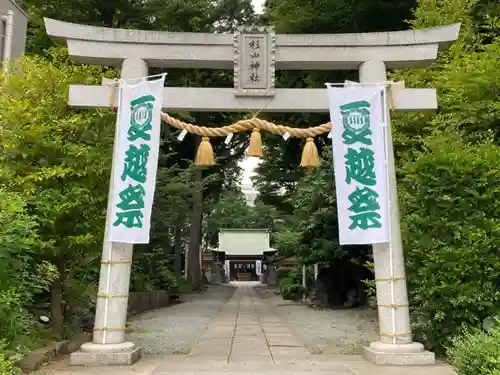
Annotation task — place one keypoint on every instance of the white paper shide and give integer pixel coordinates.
(135, 160)
(359, 161)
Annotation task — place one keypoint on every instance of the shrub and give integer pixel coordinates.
(8, 362)
(476, 352)
(151, 270)
(294, 292)
(370, 284)
(21, 277)
(284, 283)
(451, 228)
(296, 274)
(282, 273)
(290, 289)
(183, 287)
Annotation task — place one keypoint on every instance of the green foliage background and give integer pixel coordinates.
(447, 167)
(55, 164)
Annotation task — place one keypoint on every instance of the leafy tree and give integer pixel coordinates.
(278, 173)
(109, 13)
(337, 16)
(208, 185)
(173, 15)
(447, 172)
(233, 212)
(232, 13)
(449, 177)
(262, 216)
(152, 263)
(191, 16)
(465, 78)
(311, 232)
(21, 276)
(58, 159)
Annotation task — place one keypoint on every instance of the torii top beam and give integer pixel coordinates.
(254, 53)
(107, 46)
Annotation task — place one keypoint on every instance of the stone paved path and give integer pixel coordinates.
(248, 331)
(334, 332)
(247, 337)
(175, 329)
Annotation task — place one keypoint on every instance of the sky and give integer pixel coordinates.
(258, 4)
(249, 164)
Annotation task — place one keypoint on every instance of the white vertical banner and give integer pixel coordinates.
(135, 160)
(359, 161)
(226, 267)
(258, 267)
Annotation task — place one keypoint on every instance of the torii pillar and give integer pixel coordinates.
(255, 53)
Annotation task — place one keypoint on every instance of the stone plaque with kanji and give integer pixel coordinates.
(254, 61)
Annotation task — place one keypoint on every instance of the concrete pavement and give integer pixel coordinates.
(247, 337)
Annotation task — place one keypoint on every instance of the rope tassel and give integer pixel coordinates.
(310, 157)
(255, 146)
(205, 153)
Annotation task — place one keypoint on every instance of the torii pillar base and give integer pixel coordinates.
(412, 354)
(91, 354)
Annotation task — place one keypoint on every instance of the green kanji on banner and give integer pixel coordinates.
(364, 205)
(131, 204)
(359, 154)
(360, 166)
(356, 122)
(135, 159)
(366, 220)
(363, 199)
(136, 163)
(141, 116)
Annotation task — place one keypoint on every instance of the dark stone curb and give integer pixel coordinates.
(35, 359)
(138, 302)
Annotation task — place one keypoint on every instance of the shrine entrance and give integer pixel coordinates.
(242, 270)
(244, 252)
(255, 53)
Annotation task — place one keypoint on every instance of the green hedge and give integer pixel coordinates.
(450, 195)
(476, 352)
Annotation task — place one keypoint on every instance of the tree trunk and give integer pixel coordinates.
(194, 269)
(56, 302)
(202, 250)
(107, 16)
(178, 250)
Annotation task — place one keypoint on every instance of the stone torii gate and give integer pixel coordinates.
(254, 53)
